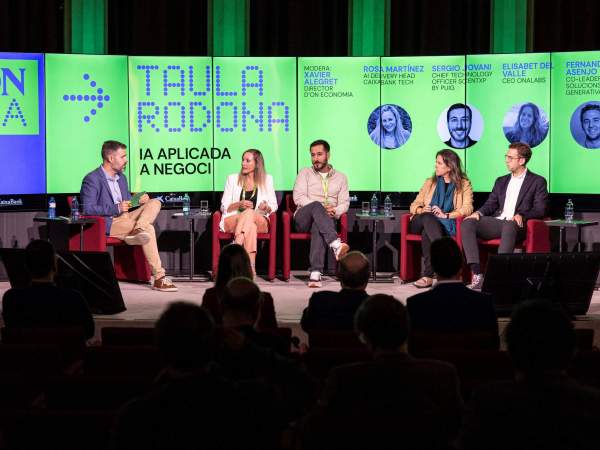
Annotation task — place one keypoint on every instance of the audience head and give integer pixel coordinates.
(233, 262)
(540, 337)
(382, 322)
(354, 271)
(40, 259)
(185, 334)
(241, 300)
(446, 258)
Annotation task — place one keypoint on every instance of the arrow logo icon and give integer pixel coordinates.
(99, 97)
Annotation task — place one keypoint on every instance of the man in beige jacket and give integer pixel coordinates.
(321, 196)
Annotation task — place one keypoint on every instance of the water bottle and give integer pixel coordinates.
(387, 206)
(74, 209)
(569, 211)
(186, 205)
(374, 205)
(51, 208)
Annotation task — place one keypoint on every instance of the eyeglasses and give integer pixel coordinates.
(511, 157)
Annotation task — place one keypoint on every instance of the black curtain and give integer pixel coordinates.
(566, 25)
(158, 27)
(298, 27)
(32, 26)
(434, 27)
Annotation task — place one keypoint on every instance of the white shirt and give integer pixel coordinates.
(512, 194)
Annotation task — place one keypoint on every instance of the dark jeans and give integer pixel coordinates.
(314, 218)
(489, 228)
(430, 229)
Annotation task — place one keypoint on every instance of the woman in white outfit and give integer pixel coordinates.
(248, 200)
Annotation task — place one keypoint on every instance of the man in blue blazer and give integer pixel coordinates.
(104, 192)
(450, 306)
(517, 197)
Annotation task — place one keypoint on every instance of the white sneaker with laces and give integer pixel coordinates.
(340, 250)
(476, 282)
(314, 280)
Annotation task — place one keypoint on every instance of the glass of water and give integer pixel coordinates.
(204, 207)
(365, 208)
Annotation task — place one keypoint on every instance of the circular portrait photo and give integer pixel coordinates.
(389, 126)
(526, 122)
(585, 124)
(460, 126)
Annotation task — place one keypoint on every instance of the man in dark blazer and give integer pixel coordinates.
(329, 310)
(104, 192)
(450, 305)
(391, 401)
(517, 197)
(42, 304)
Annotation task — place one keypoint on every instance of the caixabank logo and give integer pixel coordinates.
(19, 97)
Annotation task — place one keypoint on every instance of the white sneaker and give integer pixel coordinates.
(476, 282)
(341, 250)
(314, 281)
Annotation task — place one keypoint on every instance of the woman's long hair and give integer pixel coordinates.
(452, 160)
(535, 134)
(260, 173)
(233, 262)
(399, 132)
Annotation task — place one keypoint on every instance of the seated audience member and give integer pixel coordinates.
(262, 355)
(393, 401)
(43, 304)
(234, 262)
(450, 305)
(241, 304)
(192, 405)
(542, 408)
(329, 310)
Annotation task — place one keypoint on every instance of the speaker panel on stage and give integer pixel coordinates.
(90, 273)
(565, 278)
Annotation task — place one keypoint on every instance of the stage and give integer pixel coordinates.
(145, 305)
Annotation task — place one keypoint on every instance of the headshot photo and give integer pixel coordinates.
(526, 122)
(460, 126)
(389, 126)
(585, 125)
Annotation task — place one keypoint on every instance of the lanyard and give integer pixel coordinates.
(243, 193)
(325, 185)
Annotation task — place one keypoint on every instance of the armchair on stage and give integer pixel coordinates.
(537, 240)
(218, 236)
(289, 235)
(129, 261)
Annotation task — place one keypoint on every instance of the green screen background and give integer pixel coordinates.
(573, 168)
(341, 121)
(279, 145)
(338, 112)
(177, 71)
(494, 98)
(407, 167)
(73, 145)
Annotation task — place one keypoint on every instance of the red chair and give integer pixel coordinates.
(129, 260)
(289, 235)
(537, 240)
(410, 249)
(218, 236)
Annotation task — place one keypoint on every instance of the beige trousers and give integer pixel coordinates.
(245, 226)
(143, 218)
